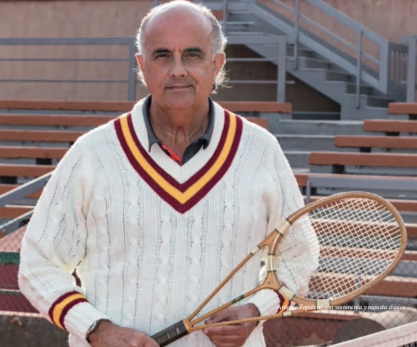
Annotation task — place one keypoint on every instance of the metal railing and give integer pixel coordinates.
(281, 59)
(383, 65)
(17, 194)
(411, 68)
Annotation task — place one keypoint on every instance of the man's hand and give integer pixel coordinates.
(111, 335)
(232, 335)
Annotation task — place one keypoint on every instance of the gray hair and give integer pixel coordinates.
(218, 40)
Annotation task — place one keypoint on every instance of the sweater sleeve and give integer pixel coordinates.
(54, 244)
(297, 254)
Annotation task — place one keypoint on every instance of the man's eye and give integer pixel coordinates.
(193, 55)
(162, 56)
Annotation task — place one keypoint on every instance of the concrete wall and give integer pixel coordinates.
(389, 18)
(23, 19)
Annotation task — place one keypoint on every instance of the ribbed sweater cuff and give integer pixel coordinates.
(72, 312)
(267, 302)
(81, 317)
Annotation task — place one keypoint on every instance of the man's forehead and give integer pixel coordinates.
(179, 22)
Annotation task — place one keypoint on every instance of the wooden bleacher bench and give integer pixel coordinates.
(40, 135)
(395, 286)
(56, 120)
(12, 152)
(410, 255)
(390, 126)
(105, 106)
(404, 205)
(402, 108)
(364, 159)
(14, 211)
(125, 106)
(403, 142)
(11, 170)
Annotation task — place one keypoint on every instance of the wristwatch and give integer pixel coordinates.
(93, 328)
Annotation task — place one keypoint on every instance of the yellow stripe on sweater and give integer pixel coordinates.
(59, 308)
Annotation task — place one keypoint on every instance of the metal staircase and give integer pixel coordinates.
(362, 77)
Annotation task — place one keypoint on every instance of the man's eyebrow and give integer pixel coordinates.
(194, 50)
(188, 50)
(160, 50)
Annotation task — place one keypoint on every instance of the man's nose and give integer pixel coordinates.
(178, 68)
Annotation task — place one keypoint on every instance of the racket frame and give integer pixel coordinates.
(272, 282)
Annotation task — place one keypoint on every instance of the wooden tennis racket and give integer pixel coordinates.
(357, 237)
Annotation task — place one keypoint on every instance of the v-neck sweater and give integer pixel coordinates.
(150, 239)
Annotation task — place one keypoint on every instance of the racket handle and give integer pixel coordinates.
(170, 334)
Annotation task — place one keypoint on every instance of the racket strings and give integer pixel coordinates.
(358, 240)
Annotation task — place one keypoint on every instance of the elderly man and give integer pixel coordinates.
(154, 209)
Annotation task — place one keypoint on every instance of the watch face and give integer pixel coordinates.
(91, 329)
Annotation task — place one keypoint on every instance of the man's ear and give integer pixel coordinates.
(219, 61)
(141, 63)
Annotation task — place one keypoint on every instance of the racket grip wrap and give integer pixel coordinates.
(170, 334)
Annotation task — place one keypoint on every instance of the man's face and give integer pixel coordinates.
(178, 64)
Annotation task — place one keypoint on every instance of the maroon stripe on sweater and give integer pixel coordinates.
(69, 307)
(58, 301)
(181, 208)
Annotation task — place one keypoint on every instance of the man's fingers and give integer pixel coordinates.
(231, 335)
(151, 344)
(224, 330)
(226, 314)
(219, 317)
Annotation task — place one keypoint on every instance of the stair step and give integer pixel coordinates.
(315, 115)
(302, 52)
(312, 63)
(378, 101)
(316, 127)
(235, 23)
(351, 89)
(357, 170)
(304, 142)
(338, 76)
(298, 159)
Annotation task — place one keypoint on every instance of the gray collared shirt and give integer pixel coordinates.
(194, 147)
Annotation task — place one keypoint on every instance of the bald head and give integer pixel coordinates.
(180, 9)
(180, 15)
(197, 16)
(179, 12)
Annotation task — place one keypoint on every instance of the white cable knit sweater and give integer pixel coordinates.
(150, 239)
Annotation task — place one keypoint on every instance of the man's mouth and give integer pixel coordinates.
(178, 87)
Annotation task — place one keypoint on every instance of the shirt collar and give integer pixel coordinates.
(152, 138)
